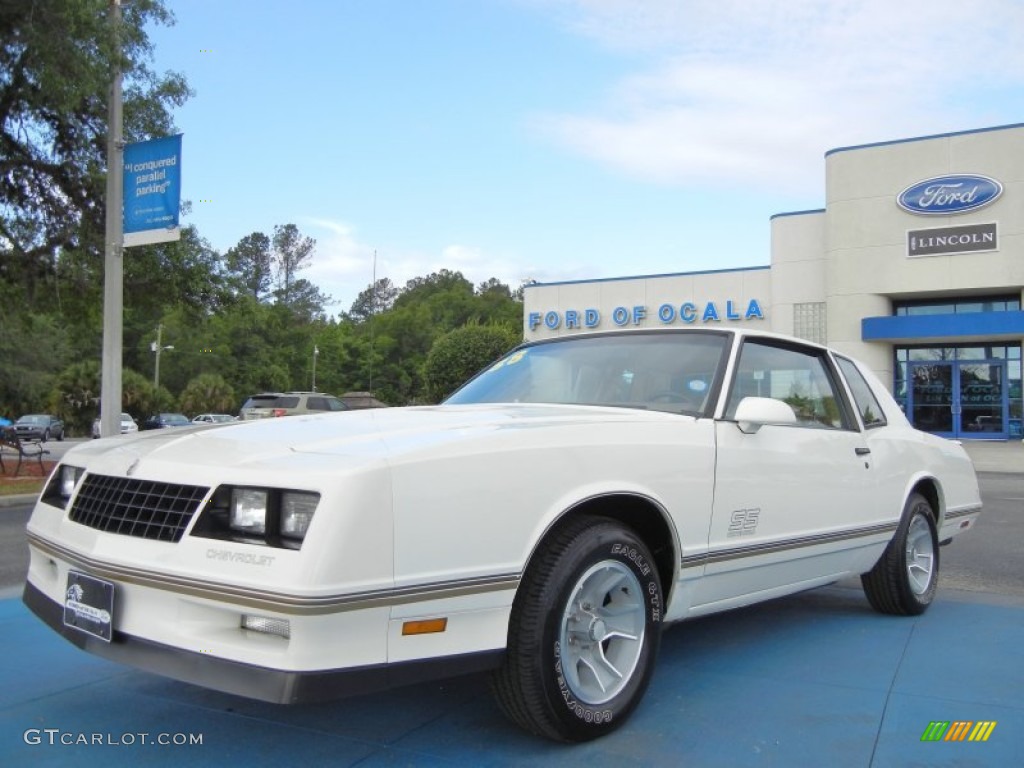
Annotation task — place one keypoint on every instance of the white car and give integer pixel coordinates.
(212, 418)
(544, 522)
(128, 426)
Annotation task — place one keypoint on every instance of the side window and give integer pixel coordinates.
(867, 404)
(317, 404)
(798, 377)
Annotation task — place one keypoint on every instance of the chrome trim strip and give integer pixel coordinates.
(782, 545)
(277, 602)
(962, 512)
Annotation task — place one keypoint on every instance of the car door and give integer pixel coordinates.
(792, 501)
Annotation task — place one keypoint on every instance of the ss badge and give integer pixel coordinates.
(743, 522)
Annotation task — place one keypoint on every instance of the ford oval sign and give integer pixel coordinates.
(943, 195)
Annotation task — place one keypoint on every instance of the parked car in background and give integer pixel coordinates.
(39, 426)
(271, 404)
(544, 523)
(128, 425)
(164, 420)
(361, 400)
(212, 418)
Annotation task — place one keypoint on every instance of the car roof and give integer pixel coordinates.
(738, 332)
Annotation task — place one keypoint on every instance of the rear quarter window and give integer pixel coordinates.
(868, 407)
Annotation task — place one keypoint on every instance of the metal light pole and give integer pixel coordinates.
(113, 264)
(316, 352)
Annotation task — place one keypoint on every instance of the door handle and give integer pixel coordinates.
(862, 451)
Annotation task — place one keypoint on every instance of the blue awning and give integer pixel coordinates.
(967, 326)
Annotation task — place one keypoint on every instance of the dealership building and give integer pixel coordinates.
(915, 266)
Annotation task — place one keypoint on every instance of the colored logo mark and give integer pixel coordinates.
(958, 730)
(949, 194)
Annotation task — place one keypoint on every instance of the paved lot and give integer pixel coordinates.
(815, 679)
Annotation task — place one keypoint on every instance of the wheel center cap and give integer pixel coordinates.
(598, 630)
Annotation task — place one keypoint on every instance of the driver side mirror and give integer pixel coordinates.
(755, 412)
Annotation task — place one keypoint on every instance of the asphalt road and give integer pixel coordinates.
(986, 559)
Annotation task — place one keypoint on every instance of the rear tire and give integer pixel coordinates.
(583, 634)
(904, 580)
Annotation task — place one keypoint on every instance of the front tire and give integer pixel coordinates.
(583, 634)
(904, 580)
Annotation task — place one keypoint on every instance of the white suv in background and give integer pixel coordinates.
(271, 404)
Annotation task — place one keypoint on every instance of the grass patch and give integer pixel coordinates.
(31, 480)
(16, 487)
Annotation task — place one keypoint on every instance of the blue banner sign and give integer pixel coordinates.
(957, 193)
(152, 191)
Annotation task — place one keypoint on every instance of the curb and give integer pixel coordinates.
(18, 500)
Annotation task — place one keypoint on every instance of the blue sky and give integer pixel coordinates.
(558, 139)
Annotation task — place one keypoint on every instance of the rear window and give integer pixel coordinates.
(325, 404)
(271, 401)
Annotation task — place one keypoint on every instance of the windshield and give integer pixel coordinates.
(657, 371)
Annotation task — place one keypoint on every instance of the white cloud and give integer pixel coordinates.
(342, 266)
(746, 92)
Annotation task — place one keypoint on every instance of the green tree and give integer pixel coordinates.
(33, 348)
(208, 392)
(76, 396)
(377, 297)
(292, 251)
(459, 354)
(137, 395)
(249, 265)
(56, 64)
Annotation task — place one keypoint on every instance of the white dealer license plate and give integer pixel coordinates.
(89, 605)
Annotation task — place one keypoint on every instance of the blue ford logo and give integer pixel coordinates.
(957, 193)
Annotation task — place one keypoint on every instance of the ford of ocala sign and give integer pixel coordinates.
(688, 312)
(943, 195)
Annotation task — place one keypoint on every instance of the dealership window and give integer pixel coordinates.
(1006, 357)
(957, 306)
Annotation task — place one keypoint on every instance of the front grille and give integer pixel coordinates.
(142, 508)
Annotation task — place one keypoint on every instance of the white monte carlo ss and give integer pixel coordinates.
(544, 522)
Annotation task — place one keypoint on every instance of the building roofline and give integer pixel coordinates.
(644, 276)
(796, 213)
(925, 138)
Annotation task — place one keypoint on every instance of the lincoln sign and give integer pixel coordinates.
(948, 240)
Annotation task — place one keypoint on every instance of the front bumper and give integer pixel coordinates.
(254, 682)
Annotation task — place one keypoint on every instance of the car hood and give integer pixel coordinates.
(369, 435)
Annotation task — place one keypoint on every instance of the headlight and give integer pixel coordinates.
(61, 485)
(68, 478)
(275, 517)
(249, 510)
(296, 513)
